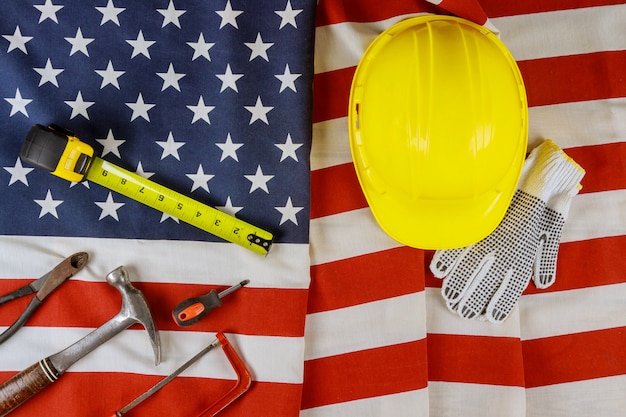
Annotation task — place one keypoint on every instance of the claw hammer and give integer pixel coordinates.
(35, 378)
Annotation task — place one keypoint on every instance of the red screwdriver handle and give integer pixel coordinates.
(191, 310)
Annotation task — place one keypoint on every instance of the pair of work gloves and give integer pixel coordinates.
(485, 280)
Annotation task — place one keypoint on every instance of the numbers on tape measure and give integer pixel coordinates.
(180, 206)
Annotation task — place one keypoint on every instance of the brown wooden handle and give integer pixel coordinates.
(27, 383)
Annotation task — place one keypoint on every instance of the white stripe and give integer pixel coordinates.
(330, 144)
(442, 321)
(380, 323)
(341, 45)
(596, 215)
(597, 397)
(405, 404)
(286, 266)
(570, 125)
(574, 311)
(270, 359)
(578, 124)
(477, 400)
(356, 232)
(345, 235)
(565, 32)
(531, 36)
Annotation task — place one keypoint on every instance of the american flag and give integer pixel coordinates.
(209, 98)
(379, 339)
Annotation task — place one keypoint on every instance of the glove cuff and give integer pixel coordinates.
(552, 176)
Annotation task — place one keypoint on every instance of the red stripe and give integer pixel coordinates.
(366, 278)
(331, 92)
(572, 78)
(581, 264)
(575, 357)
(475, 359)
(468, 9)
(253, 311)
(603, 163)
(365, 374)
(604, 166)
(547, 81)
(101, 394)
(335, 190)
(498, 8)
(588, 263)
(331, 11)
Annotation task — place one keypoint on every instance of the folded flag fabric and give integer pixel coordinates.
(380, 339)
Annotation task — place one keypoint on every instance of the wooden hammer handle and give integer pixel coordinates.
(24, 385)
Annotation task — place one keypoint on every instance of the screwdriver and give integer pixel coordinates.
(191, 310)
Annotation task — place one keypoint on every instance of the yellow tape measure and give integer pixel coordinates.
(62, 154)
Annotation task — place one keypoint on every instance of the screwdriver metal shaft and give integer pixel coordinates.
(233, 288)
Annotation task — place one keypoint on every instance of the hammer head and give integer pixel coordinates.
(135, 308)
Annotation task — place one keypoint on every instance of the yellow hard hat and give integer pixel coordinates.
(438, 123)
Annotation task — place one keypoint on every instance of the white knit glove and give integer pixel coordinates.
(486, 279)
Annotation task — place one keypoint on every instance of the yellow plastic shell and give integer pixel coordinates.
(438, 124)
(67, 164)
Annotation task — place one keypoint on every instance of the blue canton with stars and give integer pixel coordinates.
(209, 98)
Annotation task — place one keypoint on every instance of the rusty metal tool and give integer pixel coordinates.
(43, 287)
(135, 309)
(191, 310)
(244, 379)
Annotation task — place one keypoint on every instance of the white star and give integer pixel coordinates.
(201, 48)
(229, 80)
(171, 15)
(18, 104)
(110, 12)
(140, 109)
(259, 48)
(259, 112)
(84, 183)
(110, 76)
(228, 208)
(79, 43)
(18, 172)
(48, 74)
(111, 145)
(109, 207)
(140, 46)
(229, 149)
(258, 180)
(170, 147)
(165, 216)
(200, 111)
(49, 205)
(170, 78)
(79, 106)
(288, 16)
(229, 16)
(200, 179)
(289, 149)
(139, 171)
(48, 11)
(17, 41)
(287, 80)
(289, 212)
